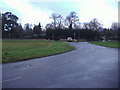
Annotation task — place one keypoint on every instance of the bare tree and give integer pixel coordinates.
(115, 30)
(95, 25)
(49, 26)
(115, 26)
(60, 21)
(71, 20)
(28, 29)
(57, 20)
(86, 26)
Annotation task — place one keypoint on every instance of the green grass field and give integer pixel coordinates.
(112, 44)
(18, 50)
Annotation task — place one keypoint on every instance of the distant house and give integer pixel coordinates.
(105, 39)
(43, 35)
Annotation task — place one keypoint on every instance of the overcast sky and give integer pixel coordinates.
(35, 11)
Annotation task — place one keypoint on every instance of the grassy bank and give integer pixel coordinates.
(112, 44)
(18, 50)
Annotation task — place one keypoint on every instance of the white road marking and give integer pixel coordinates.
(102, 47)
(11, 79)
(49, 45)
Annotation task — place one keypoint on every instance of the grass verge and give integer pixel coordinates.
(19, 50)
(112, 44)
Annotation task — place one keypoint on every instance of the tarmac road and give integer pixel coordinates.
(89, 66)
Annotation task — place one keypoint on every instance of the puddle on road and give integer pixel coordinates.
(23, 66)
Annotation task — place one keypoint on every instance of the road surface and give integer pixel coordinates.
(89, 66)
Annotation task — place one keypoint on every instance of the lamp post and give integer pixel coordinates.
(79, 34)
(52, 36)
(74, 35)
